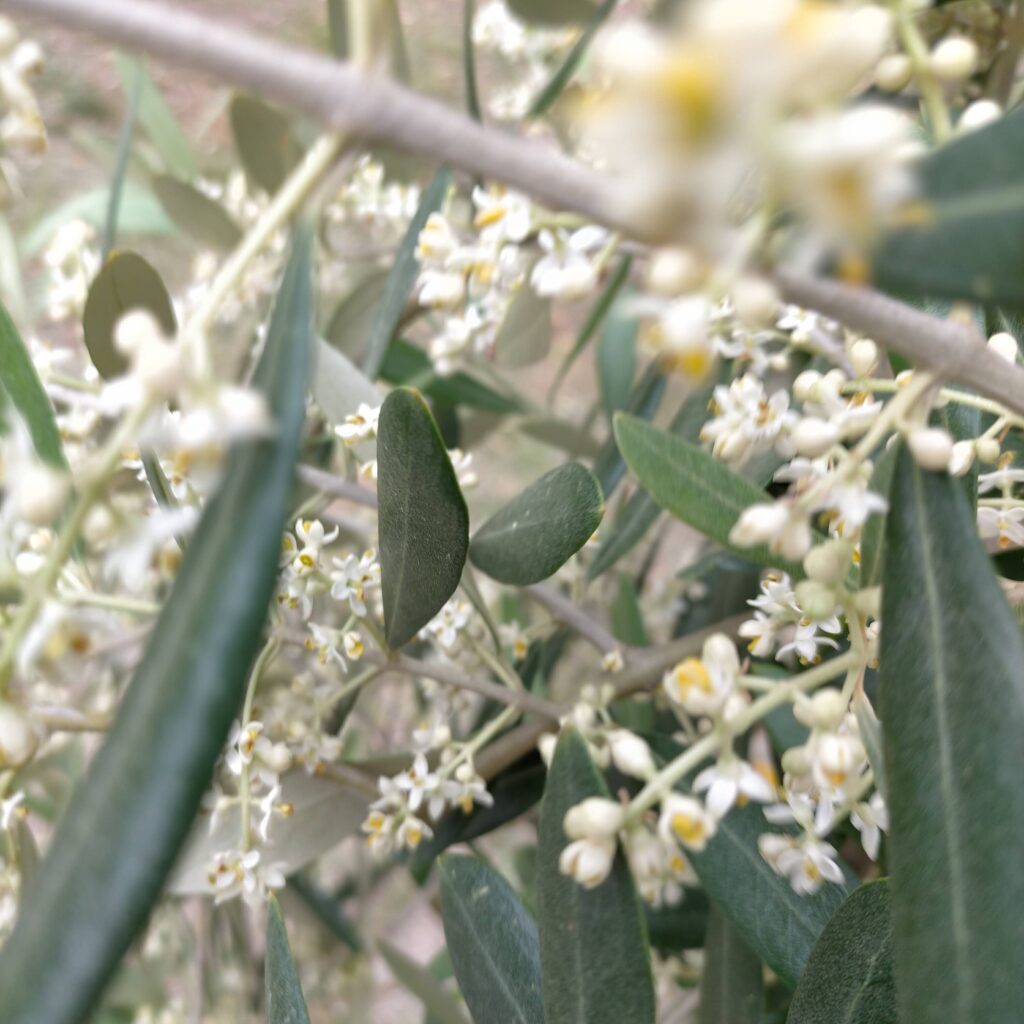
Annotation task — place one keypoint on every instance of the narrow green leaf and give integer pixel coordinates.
(870, 729)
(849, 976)
(609, 465)
(337, 27)
(692, 485)
(340, 388)
(403, 276)
(561, 434)
(88, 900)
(493, 943)
(552, 12)
(349, 327)
(641, 512)
(424, 524)
(626, 615)
(469, 83)
(524, 337)
(125, 282)
(283, 999)
(967, 240)
(872, 538)
(563, 75)
(952, 705)
(23, 388)
(616, 361)
(196, 214)
(124, 150)
(780, 925)
(540, 529)
(264, 141)
(731, 986)
(157, 119)
(423, 985)
(594, 959)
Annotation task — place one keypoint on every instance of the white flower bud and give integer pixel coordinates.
(755, 301)
(816, 600)
(8, 36)
(987, 449)
(838, 757)
(828, 563)
(674, 271)
(546, 747)
(894, 72)
(136, 328)
(759, 524)
(979, 114)
(588, 861)
(160, 368)
(244, 413)
(278, 758)
(805, 387)
(38, 494)
(868, 602)
(823, 710)
(630, 754)
(932, 447)
(954, 59)
(796, 761)
(863, 357)
(962, 458)
(18, 740)
(795, 540)
(1005, 345)
(813, 437)
(594, 818)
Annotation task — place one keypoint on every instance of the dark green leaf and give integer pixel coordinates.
(20, 384)
(196, 214)
(952, 706)
(594, 958)
(683, 926)
(640, 513)
(406, 363)
(849, 975)
(524, 336)
(610, 466)
(469, 61)
(563, 75)
(539, 530)
(403, 276)
(263, 138)
(872, 538)
(967, 240)
(493, 943)
(424, 525)
(418, 979)
(350, 325)
(124, 151)
(780, 925)
(692, 485)
(731, 989)
(626, 614)
(616, 361)
(282, 991)
(125, 282)
(117, 842)
(552, 12)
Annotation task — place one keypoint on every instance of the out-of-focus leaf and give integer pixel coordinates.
(965, 238)
(610, 466)
(524, 337)
(196, 214)
(157, 119)
(283, 998)
(872, 540)
(626, 614)
(20, 385)
(125, 282)
(325, 813)
(263, 137)
(350, 325)
(731, 989)
(469, 62)
(493, 943)
(326, 910)
(133, 93)
(340, 388)
(88, 900)
(403, 276)
(616, 361)
(424, 524)
(423, 985)
(693, 486)
(539, 530)
(849, 974)
(780, 925)
(563, 75)
(952, 707)
(594, 957)
(552, 12)
(561, 434)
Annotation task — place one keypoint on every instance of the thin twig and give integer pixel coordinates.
(575, 618)
(336, 486)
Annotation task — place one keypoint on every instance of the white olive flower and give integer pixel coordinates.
(727, 781)
(871, 819)
(588, 861)
(686, 821)
(807, 862)
(701, 685)
(567, 268)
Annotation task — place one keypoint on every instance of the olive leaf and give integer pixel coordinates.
(283, 998)
(263, 138)
(731, 986)
(196, 214)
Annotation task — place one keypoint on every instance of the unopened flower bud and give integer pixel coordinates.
(588, 861)
(816, 600)
(160, 368)
(954, 59)
(962, 458)
(1005, 345)
(134, 329)
(39, 493)
(673, 272)
(932, 447)
(987, 449)
(805, 386)
(813, 437)
(868, 602)
(828, 563)
(759, 524)
(755, 301)
(795, 540)
(796, 761)
(863, 357)
(979, 114)
(18, 740)
(594, 818)
(630, 754)
(823, 710)
(278, 758)
(894, 72)
(546, 747)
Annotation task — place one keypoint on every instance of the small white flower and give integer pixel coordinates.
(588, 861)
(567, 269)
(684, 820)
(871, 819)
(594, 818)
(807, 862)
(731, 779)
